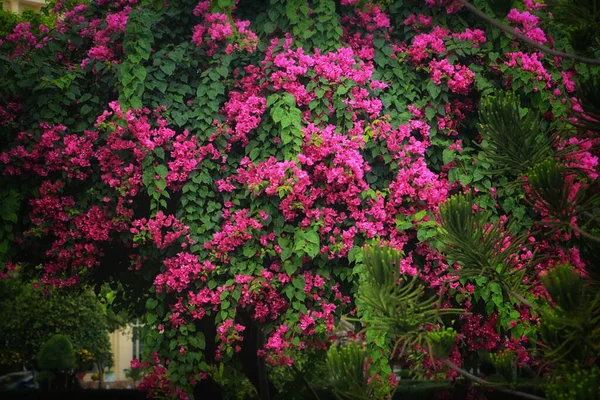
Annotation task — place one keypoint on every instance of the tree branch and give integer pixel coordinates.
(584, 233)
(524, 38)
(483, 382)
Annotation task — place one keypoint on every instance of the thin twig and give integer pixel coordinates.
(524, 38)
(483, 382)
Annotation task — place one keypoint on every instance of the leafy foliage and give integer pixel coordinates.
(57, 354)
(31, 317)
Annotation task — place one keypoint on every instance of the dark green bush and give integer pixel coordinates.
(57, 354)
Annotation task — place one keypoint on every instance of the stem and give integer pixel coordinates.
(483, 382)
(524, 38)
(306, 383)
(517, 296)
(584, 233)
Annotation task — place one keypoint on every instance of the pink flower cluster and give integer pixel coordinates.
(451, 6)
(529, 23)
(418, 22)
(156, 380)
(476, 36)
(480, 333)
(460, 78)
(229, 334)
(372, 18)
(144, 229)
(24, 38)
(219, 28)
(9, 112)
(426, 44)
(236, 231)
(243, 112)
(54, 151)
(181, 271)
(186, 155)
(259, 295)
(73, 232)
(277, 346)
(530, 62)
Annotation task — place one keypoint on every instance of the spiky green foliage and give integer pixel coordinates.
(348, 372)
(571, 328)
(558, 192)
(566, 287)
(581, 19)
(550, 187)
(395, 301)
(512, 140)
(588, 121)
(481, 246)
(441, 342)
(382, 265)
(575, 383)
(504, 362)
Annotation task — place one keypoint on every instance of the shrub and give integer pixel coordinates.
(57, 354)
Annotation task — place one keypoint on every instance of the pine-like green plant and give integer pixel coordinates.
(513, 142)
(570, 329)
(587, 121)
(481, 246)
(348, 372)
(395, 301)
(575, 383)
(550, 189)
(553, 191)
(504, 364)
(580, 18)
(441, 342)
(566, 288)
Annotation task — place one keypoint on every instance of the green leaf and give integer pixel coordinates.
(249, 251)
(161, 170)
(151, 318)
(312, 237)
(298, 282)
(289, 267)
(151, 304)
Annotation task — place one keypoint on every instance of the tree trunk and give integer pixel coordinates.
(262, 368)
(100, 374)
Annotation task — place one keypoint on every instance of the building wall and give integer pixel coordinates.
(18, 6)
(122, 346)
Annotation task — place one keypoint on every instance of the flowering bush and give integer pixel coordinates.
(226, 161)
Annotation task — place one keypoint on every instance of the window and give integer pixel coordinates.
(137, 347)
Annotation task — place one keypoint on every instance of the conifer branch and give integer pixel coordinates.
(524, 38)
